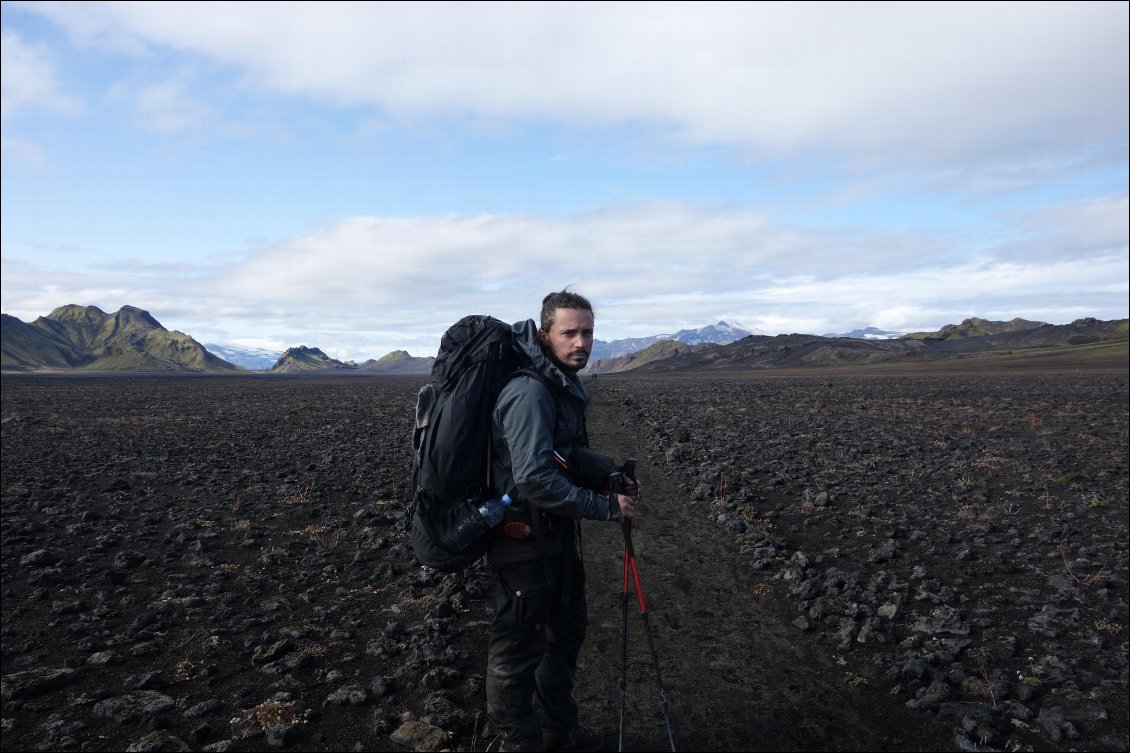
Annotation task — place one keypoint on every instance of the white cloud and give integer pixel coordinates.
(414, 265)
(929, 82)
(365, 286)
(1101, 224)
(1074, 230)
(28, 81)
(166, 106)
(23, 152)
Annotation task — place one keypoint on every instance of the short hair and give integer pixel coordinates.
(562, 299)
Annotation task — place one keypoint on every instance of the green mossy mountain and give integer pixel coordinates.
(399, 363)
(652, 353)
(975, 327)
(85, 338)
(396, 355)
(302, 358)
(27, 347)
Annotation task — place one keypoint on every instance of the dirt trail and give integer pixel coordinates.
(739, 676)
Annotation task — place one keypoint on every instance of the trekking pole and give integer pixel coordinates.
(631, 568)
(617, 485)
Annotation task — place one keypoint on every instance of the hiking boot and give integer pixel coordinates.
(577, 739)
(514, 745)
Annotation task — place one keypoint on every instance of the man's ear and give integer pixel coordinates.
(543, 336)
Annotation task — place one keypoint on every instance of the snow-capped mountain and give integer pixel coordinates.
(868, 333)
(720, 333)
(255, 359)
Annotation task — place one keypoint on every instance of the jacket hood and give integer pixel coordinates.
(526, 338)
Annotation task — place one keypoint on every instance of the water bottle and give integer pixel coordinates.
(475, 524)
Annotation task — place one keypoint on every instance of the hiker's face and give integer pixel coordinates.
(569, 339)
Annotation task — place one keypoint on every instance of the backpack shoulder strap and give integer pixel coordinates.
(534, 373)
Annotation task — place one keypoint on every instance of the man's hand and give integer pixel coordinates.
(627, 507)
(626, 496)
(632, 488)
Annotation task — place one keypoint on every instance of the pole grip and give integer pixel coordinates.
(617, 485)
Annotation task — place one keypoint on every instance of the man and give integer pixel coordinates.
(540, 610)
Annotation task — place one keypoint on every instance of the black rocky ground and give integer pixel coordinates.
(831, 563)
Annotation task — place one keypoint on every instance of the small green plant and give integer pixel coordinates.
(762, 590)
(184, 670)
(1085, 581)
(324, 539)
(720, 498)
(965, 482)
(266, 715)
(1107, 626)
(299, 497)
(986, 685)
(1032, 679)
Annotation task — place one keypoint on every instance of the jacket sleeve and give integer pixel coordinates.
(525, 413)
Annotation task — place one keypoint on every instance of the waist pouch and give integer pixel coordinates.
(518, 525)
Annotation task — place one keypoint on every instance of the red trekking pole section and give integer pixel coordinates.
(630, 567)
(632, 577)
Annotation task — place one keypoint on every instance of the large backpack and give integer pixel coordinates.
(451, 441)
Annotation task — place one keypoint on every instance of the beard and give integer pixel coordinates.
(573, 362)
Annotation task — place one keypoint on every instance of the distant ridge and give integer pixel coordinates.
(303, 358)
(868, 333)
(1090, 340)
(720, 334)
(1102, 339)
(976, 327)
(399, 362)
(73, 338)
(658, 352)
(87, 339)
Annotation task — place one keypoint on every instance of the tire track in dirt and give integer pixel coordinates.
(739, 676)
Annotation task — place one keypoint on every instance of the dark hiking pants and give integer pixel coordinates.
(534, 644)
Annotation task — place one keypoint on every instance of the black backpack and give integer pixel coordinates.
(451, 441)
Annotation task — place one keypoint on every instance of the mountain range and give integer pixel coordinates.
(398, 363)
(720, 334)
(87, 339)
(401, 363)
(1081, 342)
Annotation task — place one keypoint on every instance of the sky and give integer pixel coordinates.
(357, 177)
